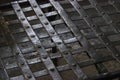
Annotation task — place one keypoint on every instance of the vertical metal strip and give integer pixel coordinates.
(105, 16)
(3, 72)
(35, 40)
(96, 30)
(77, 33)
(20, 59)
(56, 39)
(72, 26)
(115, 4)
(22, 63)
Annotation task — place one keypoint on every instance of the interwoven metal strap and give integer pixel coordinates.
(60, 40)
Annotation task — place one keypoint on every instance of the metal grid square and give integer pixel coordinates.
(60, 40)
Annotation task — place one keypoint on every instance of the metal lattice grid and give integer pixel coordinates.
(60, 40)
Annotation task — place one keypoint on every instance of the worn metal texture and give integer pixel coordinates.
(60, 40)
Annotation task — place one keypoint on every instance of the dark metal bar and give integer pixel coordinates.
(77, 33)
(44, 56)
(105, 16)
(56, 36)
(95, 28)
(20, 59)
(57, 40)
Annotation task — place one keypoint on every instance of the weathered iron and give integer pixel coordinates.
(60, 40)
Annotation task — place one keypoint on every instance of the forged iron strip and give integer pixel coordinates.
(48, 38)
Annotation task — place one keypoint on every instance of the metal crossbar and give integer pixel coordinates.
(60, 40)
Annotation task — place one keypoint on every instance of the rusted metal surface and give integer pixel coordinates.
(60, 40)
